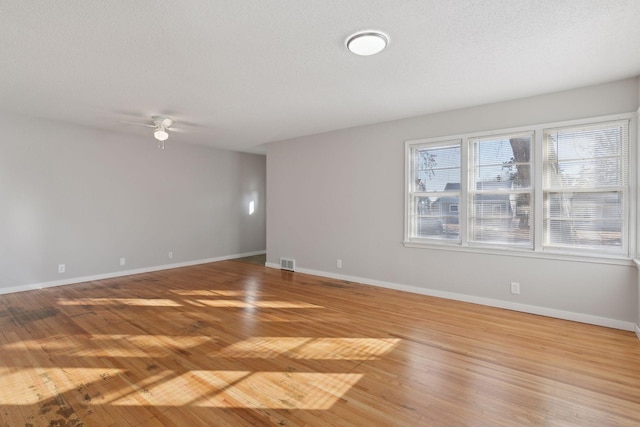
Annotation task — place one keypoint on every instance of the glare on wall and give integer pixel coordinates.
(252, 207)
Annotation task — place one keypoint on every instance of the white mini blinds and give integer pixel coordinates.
(501, 190)
(586, 186)
(435, 191)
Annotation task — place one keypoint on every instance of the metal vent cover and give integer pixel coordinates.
(287, 264)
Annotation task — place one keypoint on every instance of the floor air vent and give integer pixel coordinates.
(287, 264)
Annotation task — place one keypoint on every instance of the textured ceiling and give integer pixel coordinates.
(236, 74)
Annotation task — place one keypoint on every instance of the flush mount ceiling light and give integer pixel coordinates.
(367, 43)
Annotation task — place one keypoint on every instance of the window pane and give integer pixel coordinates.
(434, 218)
(586, 157)
(437, 168)
(501, 190)
(588, 142)
(502, 218)
(502, 159)
(584, 219)
(590, 173)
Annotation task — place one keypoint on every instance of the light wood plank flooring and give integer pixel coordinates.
(234, 344)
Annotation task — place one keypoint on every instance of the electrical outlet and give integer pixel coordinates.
(515, 288)
(123, 261)
(339, 263)
(62, 268)
(170, 255)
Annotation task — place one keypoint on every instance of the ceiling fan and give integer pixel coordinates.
(162, 126)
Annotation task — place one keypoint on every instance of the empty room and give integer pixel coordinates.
(319, 213)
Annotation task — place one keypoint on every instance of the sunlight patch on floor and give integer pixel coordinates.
(215, 292)
(235, 389)
(311, 348)
(260, 304)
(125, 346)
(30, 386)
(150, 302)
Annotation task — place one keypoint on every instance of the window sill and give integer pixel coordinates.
(515, 252)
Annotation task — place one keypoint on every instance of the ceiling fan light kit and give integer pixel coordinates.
(160, 134)
(161, 125)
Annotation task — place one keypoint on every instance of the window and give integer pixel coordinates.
(561, 188)
(586, 183)
(435, 188)
(501, 191)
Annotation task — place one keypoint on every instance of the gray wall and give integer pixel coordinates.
(340, 195)
(85, 198)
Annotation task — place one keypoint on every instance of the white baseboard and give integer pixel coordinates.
(525, 308)
(637, 330)
(111, 275)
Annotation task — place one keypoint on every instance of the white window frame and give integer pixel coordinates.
(631, 221)
(472, 191)
(623, 188)
(412, 193)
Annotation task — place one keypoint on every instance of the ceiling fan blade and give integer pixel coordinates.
(137, 124)
(162, 121)
(176, 130)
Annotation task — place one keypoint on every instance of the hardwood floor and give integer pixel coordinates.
(232, 344)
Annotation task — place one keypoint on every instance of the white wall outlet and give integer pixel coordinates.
(339, 263)
(62, 268)
(515, 288)
(170, 255)
(123, 261)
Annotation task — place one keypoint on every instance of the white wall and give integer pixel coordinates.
(85, 198)
(340, 195)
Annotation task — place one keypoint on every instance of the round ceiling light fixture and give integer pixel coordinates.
(367, 43)
(160, 134)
